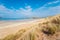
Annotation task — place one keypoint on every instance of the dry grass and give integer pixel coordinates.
(52, 26)
(14, 36)
(9, 37)
(49, 28)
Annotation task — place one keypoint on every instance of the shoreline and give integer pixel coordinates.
(15, 22)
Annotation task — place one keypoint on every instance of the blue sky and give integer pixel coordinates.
(28, 8)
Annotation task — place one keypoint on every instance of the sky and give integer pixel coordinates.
(29, 8)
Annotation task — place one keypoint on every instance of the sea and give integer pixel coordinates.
(13, 18)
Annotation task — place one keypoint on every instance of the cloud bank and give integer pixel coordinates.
(12, 13)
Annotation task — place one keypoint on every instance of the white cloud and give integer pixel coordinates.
(5, 12)
(45, 11)
(54, 2)
(50, 3)
(3, 9)
(27, 11)
(55, 9)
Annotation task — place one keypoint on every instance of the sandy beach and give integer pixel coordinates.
(11, 27)
(35, 29)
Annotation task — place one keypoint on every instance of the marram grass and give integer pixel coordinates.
(49, 28)
(9, 37)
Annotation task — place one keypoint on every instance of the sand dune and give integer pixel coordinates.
(38, 29)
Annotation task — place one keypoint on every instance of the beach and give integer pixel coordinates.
(11, 27)
(35, 29)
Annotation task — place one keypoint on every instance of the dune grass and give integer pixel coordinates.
(14, 36)
(52, 26)
(49, 28)
(9, 37)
